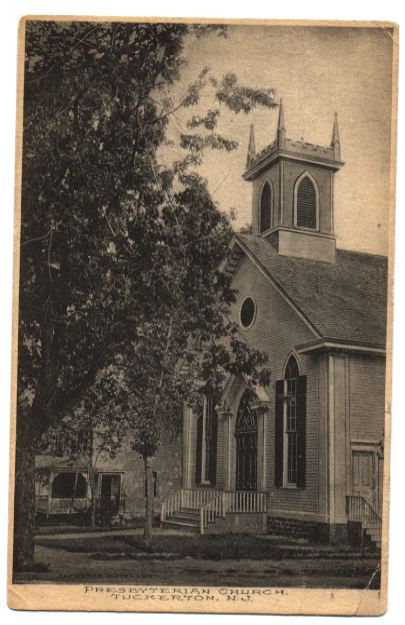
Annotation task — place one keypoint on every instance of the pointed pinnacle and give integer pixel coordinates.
(251, 146)
(280, 124)
(335, 133)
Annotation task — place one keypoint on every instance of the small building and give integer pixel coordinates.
(62, 486)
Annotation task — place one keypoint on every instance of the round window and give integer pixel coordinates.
(247, 312)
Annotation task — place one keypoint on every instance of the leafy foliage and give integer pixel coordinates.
(120, 254)
(117, 252)
(95, 428)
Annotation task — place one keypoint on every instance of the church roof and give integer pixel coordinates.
(345, 301)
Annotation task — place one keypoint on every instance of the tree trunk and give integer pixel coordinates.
(24, 498)
(147, 534)
(93, 501)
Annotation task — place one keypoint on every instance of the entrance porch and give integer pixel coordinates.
(214, 511)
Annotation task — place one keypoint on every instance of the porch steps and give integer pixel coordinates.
(185, 518)
(373, 531)
(362, 512)
(213, 511)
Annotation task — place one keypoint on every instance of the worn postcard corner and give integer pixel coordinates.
(202, 315)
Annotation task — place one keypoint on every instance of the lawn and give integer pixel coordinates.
(200, 561)
(224, 547)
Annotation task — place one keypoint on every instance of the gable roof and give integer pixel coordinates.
(345, 301)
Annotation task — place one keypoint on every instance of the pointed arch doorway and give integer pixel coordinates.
(246, 445)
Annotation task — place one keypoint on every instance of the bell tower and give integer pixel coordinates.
(292, 193)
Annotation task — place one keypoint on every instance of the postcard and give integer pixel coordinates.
(202, 315)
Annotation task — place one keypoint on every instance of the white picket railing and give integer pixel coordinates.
(245, 501)
(212, 503)
(193, 498)
(215, 508)
(231, 502)
(359, 509)
(170, 506)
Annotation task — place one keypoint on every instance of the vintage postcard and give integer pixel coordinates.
(202, 344)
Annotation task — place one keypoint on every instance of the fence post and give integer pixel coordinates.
(201, 521)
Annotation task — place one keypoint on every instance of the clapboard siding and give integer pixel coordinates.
(367, 383)
(277, 329)
(166, 462)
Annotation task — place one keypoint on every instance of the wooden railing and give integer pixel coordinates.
(245, 501)
(212, 503)
(193, 498)
(215, 508)
(359, 509)
(231, 502)
(170, 506)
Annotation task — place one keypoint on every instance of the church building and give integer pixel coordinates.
(307, 450)
(305, 454)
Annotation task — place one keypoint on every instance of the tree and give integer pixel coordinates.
(93, 430)
(98, 210)
(186, 346)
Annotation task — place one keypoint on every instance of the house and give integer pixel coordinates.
(305, 454)
(62, 485)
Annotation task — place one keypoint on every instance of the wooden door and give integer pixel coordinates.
(364, 476)
(246, 445)
(246, 461)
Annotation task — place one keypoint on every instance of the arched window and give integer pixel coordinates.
(290, 427)
(291, 371)
(265, 208)
(306, 204)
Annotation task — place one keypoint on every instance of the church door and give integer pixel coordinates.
(246, 446)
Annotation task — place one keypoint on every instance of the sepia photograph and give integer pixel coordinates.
(202, 315)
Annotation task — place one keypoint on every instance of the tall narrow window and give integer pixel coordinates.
(290, 422)
(206, 449)
(306, 204)
(290, 428)
(210, 438)
(265, 208)
(246, 445)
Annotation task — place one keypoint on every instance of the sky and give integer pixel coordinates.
(316, 71)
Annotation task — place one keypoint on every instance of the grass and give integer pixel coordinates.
(224, 547)
(237, 560)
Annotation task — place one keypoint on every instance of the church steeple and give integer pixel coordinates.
(251, 154)
(335, 143)
(281, 127)
(292, 193)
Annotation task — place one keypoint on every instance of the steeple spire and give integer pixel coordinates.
(251, 147)
(335, 143)
(281, 126)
